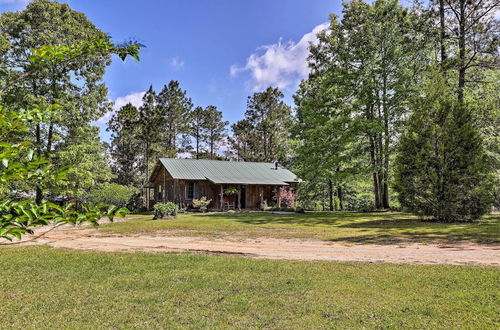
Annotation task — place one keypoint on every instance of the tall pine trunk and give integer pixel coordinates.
(461, 52)
(385, 154)
(442, 28)
(374, 173)
(330, 193)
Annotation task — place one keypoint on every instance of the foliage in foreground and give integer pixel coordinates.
(199, 291)
(20, 162)
(442, 169)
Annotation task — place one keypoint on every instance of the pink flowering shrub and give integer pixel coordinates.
(287, 196)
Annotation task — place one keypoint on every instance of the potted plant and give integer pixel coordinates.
(230, 191)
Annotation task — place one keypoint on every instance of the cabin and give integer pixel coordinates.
(229, 184)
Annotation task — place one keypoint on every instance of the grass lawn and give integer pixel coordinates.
(382, 228)
(50, 288)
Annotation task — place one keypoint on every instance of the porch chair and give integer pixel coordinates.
(228, 205)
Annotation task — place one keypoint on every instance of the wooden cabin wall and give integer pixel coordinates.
(173, 190)
(167, 189)
(252, 198)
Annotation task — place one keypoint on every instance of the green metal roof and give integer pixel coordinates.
(228, 172)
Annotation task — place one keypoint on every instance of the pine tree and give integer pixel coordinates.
(125, 146)
(442, 170)
(197, 126)
(263, 135)
(175, 107)
(214, 127)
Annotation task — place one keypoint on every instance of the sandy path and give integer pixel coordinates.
(92, 239)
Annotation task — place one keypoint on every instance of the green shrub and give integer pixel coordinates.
(136, 203)
(165, 210)
(112, 194)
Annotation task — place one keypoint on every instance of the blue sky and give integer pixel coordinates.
(221, 51)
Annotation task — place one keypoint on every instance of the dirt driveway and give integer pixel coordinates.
(92, 239)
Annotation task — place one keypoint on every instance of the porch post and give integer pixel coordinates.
(261, 194)
(239, 197)
(222, 197)
(164, 189)
(278, 196)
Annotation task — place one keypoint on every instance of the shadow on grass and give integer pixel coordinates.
(308, 219)
(397, 231)
(377, 228)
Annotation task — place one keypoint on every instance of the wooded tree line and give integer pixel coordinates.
(400, 109)
(165, 125)
(405, 97)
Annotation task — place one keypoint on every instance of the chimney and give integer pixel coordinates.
(275, 165)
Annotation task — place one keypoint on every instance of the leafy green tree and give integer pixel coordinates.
(112, 194)
(265, 132)
(85, 155)
(75, 84)
(469, 40)
(20, 161)
(442, 169)
(351, 108)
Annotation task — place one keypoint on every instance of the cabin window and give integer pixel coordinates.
(191, 190)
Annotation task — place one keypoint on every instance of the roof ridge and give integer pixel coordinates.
(216, 160)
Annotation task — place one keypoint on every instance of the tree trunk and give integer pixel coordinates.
(380, 170)
(374, 174)
(197, 146)
(340, 197)
(146, 156)
(330, 193)
(38, 189)
(385, 154)
(443, 33)
(211, 148)
(50, 135)
(323, 200)
(461, 52)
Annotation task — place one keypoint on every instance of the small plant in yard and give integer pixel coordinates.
(201, 203)
(162, 210)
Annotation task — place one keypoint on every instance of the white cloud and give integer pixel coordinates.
(176, 63)
(134, 98)
(280, 64)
